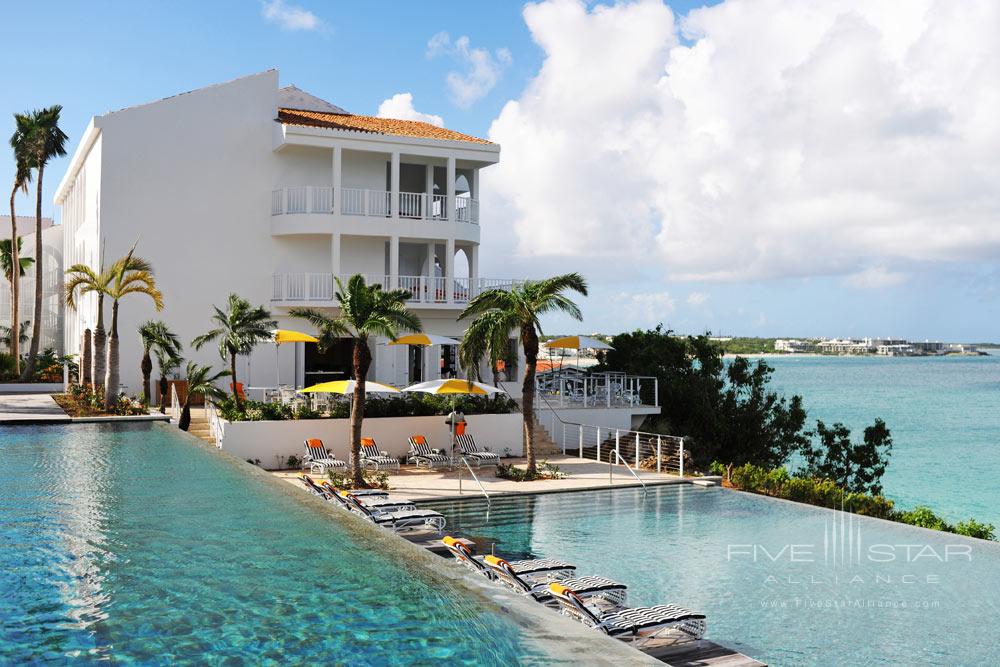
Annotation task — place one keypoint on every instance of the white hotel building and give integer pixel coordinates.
(269, 192)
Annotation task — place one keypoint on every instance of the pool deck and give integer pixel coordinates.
(31, 409)
(581, 474)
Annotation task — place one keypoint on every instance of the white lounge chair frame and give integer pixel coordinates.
(318, 457)
(373, 458)
(422, 454)
(467, 446)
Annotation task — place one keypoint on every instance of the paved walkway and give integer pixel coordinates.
(580, 474)
(30, 408)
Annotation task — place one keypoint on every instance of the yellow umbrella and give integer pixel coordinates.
(423, 339)
(578, 343)
(287, 336)
(347, 387)
(454, 386)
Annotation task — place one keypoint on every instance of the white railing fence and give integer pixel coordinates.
(423, 289)
(574, 389)
(639, 450)
(215, 424)
(376, 203)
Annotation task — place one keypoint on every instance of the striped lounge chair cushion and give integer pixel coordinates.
(536, 565)
(371, 453)
(633, 621)
(591, 584)
(468, 445)
(423, 450)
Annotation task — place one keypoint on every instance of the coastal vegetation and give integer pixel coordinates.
(824, 492)
(365, 311)
(394, 405)
(745, 345)
(497, 313)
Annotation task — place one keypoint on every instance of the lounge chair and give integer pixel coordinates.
(543, 567)
(322, 491)
(532, 579)
(400, 521)
(637, 625)
(319, 459)
(422, 454)
(374, 459)
(378, 502)
(467, 445)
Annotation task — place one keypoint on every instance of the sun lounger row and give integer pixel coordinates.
(319, 459)
(399, 515)
(595, 601)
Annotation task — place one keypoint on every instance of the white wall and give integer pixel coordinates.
(363, 254)
(265, 440)
(364, 170)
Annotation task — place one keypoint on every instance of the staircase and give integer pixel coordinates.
(199, 425)
(544, 445)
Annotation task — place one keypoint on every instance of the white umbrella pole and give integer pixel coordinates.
(277, 365)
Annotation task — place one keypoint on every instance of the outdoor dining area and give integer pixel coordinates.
(571, 385)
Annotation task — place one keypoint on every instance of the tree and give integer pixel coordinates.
(7, 255)
(727, 411)
(7, 334)
(498, 313)
(22, 178)
(168, 362)
(240, 328)
(45, 141)
(129, 275)
(85, 279)
(365, 311)
(200, 382)
(855, 467)
(155, 334)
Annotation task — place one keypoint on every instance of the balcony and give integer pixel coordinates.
(318, 288)
(371, 203)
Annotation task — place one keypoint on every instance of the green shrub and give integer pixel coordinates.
(924, 517)
(716, 468)
(395, 405)
(374, 479)
(973, 528)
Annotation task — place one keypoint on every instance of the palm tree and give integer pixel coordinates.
(498, 313)
(7, 255)
(239, 330)
(167, 362)
(22, 177)
(365, 310)
(200, 382)
(84, 278)
(129, 275)
(155, 334)
(46, 141)
(7, 338)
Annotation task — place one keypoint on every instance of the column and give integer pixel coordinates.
(429, 191)
(430, 284)
(451, 192)
(393, 262)
(335, 254)
(449, 270)
(474, 196)
(394, 180)
(473, 270)
(338, 171)
(432, 362)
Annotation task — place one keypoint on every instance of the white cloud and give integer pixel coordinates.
(876, 277)
(290, 17)
(400, 106)
(777, 139)
(646, 308)
(482, 68)
(696, 298)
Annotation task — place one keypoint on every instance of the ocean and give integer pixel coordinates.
(943, 412)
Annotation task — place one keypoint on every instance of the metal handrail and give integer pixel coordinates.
(175, 404)
(619, 457)
(482, 489)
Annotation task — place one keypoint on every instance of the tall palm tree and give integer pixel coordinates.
(46, 141)
(200, 382)
(155, 334)
(239, 330)
(22, 178)
(498, 313)
(365, 310)
(168, 362)
(85, 279)
(129, 275)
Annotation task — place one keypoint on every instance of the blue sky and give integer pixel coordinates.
(744, 266)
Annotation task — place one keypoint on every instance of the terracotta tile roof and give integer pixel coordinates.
(402, 128)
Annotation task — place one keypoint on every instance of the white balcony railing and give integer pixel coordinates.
(373, 203)
(303, 287)
(302, 199)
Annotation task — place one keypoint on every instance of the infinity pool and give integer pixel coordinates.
(136, 546)
(782, 582)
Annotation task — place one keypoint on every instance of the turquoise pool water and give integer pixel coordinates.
(775, 580)
(133, 545)
(944, 414)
